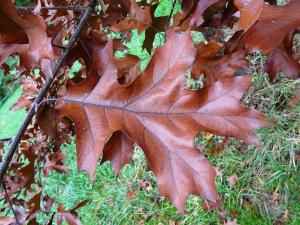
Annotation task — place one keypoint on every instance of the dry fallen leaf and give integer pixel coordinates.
(275, 197)
(218, 172)
(286, 215)
(232, 180)
(231, 222)
(171, 222)
(224, 214)
(131, 195)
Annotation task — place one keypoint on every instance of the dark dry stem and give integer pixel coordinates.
(43, 91)
(73, 8)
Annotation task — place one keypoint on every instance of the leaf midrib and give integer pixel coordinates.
(65, 100)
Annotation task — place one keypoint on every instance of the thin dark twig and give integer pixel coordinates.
(43, 91)
(5, 139)
(10, 204)
(73, 8)
(18, 193)
(51, 219)
(172, 10)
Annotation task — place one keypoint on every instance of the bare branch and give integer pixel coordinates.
(43, 91)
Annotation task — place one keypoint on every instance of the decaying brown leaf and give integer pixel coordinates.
(295, 100)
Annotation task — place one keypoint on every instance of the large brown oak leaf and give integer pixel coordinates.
(160, 115)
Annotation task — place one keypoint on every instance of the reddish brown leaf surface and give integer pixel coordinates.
(295, 100)
(32, 42)
(250, 11)
(69, 216)
(274, 23)
(214, 66)
(114, 105)
(29, 92)
(71, 219)
(283, 59)
(279, 60)
(5, 220)
(139, 19)
(34, 203)
(117, 11)
(54, 162)
(128, 69)
(118, 150)
(159, 114)
(158, 25)
(196, 18)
